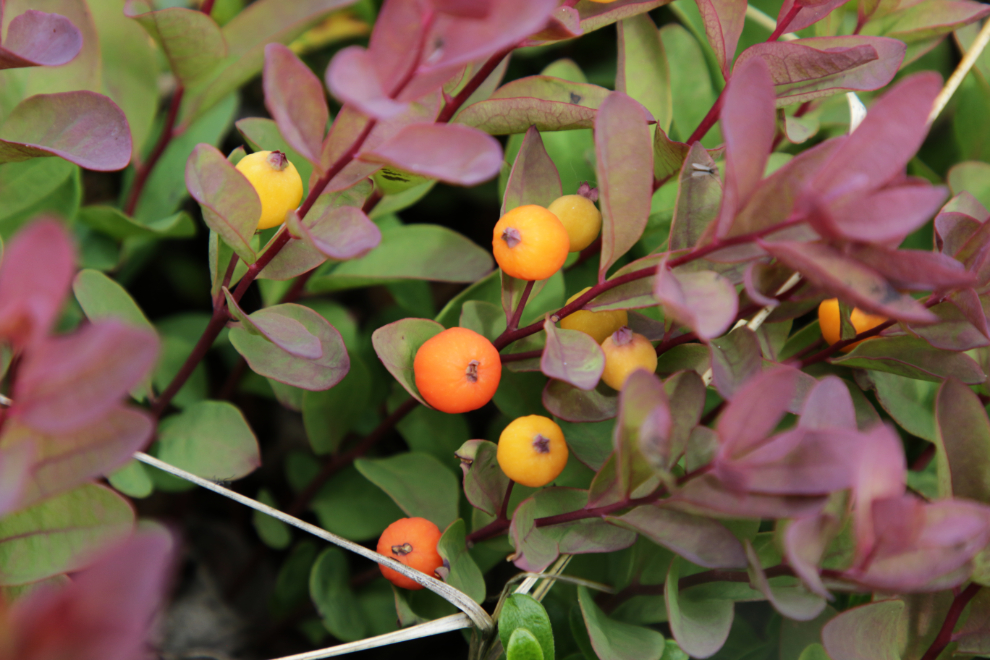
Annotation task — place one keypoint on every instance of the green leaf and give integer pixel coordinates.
(132, 480)
(911, 402)
(273, 532)
(32, 186)
(974, 178)
(329, 587)
(353, 507)
(190, 39)
(419, 252)
(523, 612)
(397, 344)
(643, 70)
(292, 583)
(61, 534)
(914, 358)
(179, 335)
(868, 632)
(402, 477)
(615, 640)
(962, 443)
(464, 572)
(330, 415)
(211, 439)
(435, 433)
(102, 298)
(814, 652)
(108, 220)
(523, 646)
(692, 90)
(700, 626)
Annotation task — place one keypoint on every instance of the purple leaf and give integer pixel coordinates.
(397, 344)
(699, 625)
(805, 542)
(792, 601)
(38, 39)
(564, 23)
(35, 275)
(550, 104)
(231, 207)
(574, 405)
(74, 380)
(952, 230)
(962, 443)
(464, 8)
(484, 481)
(707, 496)
(686, 393)
(337, 232)
(881, 146)
(283, 331)
(352, 78)
(644, 417)
(699, 195)
(572, 356)
(452, 153)
(534, 178)
(625, 175)
(701, 541)
(749, 125)
(736, 358)
(84, 128)
(867, 632)
(914, 270)
(807, 69)
(914, 358)
(849, 280)
(295, 99)
(105, 611)
(828, 406)
(66, 460)
(273, 361)
(703, 300)
(810, 12)
(882, 474)
(595, 15)
(754, 411)
(192, 41)
(886, 216)
(724, 20)
(955, 330)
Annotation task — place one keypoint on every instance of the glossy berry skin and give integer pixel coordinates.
(598, 325)
(625, 352)
(532, 451)
(580, 217)
(457, 370)
(530, 243)
(828, 320)
(277, 183)
(413, 542)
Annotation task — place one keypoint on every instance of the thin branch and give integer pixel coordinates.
(453, 105)
(519, 357)
(944, 635)
(517, 314)
(145, 168)
(952, 84)
(497, 526)
(779, 30)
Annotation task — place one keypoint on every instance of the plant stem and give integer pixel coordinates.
(517, 314)
(709, 120)
(497, 526)
(944, 635)
(451, 107)
(207, 6)
(144, 170)
(827, 352)
(519, 357)
(599, 511)
(213, 328)
(783, 25)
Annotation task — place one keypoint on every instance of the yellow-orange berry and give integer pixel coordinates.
(831, 327)
(598, 325)
(530, 243)
(277, 183)
(625, 352)
(413, 542)
(532, 451)
(457, 370)
(580, 217)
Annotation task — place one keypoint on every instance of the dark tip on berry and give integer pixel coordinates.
(512, 237)
(278, 160)
(403, 549)
(472, 371)
(541, 444)
(585, 190)
(622, 336)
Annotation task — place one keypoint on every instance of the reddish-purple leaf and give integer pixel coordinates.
(701, 541)
(35, 275)
(597, 15)
(231, 207)
(881, 146)
(564, 23)
(295, 99)
(625, 175)
(285, 332)
(724, 20)
(828, 406)
(914, 358)
(792, 601)
(574, 405)
(706, 495)
(464, 8)
(572, 356)
(849, 280)
(36, 38)
(686, 393)
(484, 481)
(882, 473)
(272, 360)
(962, 200)
(970, 305)
(352, 78)
(886, 216)
(805, 542)
(15, 470)
(84, 128)
(810, 12)
(74, 380)
(955, 331)
(867, 632)
(952, 230)
(703, 300)
(66, 460)
(534, 178)
(962, 443)
(749, 124)
(105, 611)
(914, 270)
(807, 69)
(754, 411)
(342, 232)
(452, 153)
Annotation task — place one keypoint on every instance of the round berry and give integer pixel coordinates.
(598, 325)
(532, 451)
(625, 352)
(530, 243)
(277, 183)
(413, 542)
(828, 320)
(457, 370)
(580, 217)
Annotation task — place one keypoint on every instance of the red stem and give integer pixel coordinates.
(517, 314)
(951, 619)
(709, 120)
(144, 170)
(207, 6)
(497, 526)
(783, 24)
(519, 357)
(453, 105)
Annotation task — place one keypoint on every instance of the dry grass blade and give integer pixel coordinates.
(968, 60)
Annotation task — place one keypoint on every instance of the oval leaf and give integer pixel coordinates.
(397, 344)
(294, 97)
(36, 38)
(211, 439)
(572, 356)
(703, 300)
(401, 476)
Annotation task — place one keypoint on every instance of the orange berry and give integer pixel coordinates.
(597, 325)
(625, 352)
(828, 320)
(457, 370)
(532, 451)
(580, 217)
(530, 243)
(413, 542)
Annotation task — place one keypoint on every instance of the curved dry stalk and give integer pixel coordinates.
(968, 60)
(459, 599)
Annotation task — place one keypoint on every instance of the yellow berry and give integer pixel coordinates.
(598, 325)
(580, 217)
(532, 451)
(530, 243)
(828, 321)
(277, 183)
(625, 352)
